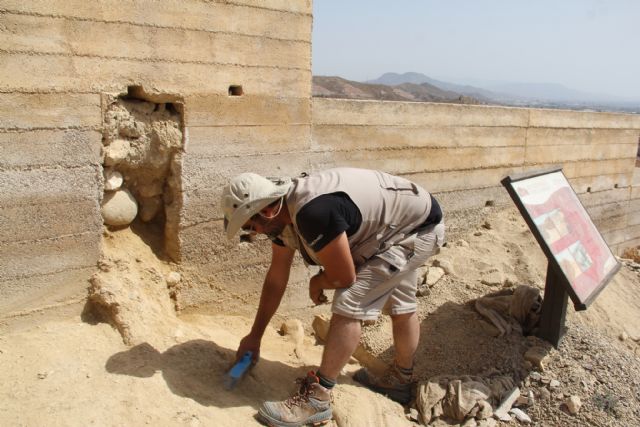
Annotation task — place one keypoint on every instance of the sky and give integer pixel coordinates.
(586, 45)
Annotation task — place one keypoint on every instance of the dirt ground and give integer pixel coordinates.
(67, 368)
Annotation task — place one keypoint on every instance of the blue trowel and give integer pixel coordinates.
(238, 371)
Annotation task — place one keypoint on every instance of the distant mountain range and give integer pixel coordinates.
(337, 87)
(419, 87)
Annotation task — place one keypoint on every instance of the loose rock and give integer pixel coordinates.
(536, 356)
(520, 415)
(434, 275)
(528, 400)
(173, 278)
(573, 404)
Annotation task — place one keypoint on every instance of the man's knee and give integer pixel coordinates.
(403, 317)
(339, 319)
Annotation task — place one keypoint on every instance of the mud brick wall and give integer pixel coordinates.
(462, 152)
(58, 61)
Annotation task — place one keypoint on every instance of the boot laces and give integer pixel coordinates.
(302, 395)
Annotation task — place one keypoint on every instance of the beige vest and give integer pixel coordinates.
(391, 207)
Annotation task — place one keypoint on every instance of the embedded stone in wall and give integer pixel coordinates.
(149, 207)
(142, 141)
(152, 189)
(116, 152)
(141, 138)
(119, 208)
(112, 180)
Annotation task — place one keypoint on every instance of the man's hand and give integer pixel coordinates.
(316, 287)
(249, 343)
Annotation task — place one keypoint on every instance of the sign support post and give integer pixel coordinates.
(554, 308)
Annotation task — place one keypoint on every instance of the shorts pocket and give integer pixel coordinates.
(396, 256)
(365, 251)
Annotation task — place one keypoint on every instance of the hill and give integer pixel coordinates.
(337, 87)
(544, 95)
(392, 79)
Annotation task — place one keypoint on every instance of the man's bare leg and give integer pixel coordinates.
(396, 383)
(406, 333)
(342, 340)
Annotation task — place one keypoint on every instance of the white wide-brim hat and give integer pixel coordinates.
(246, 195)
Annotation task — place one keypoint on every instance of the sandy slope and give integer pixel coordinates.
(71, 370)
(73, 373)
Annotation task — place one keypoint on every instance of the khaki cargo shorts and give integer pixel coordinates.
(389, 279)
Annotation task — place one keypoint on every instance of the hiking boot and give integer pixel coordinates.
(310, 405)
(392, 383)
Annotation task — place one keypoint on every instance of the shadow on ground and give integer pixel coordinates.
(455, 340)
(196, 369)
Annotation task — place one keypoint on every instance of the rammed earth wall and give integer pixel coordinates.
(60, 59)
(461, 152)
(239, 72)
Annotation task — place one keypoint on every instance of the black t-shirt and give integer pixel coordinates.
(325, 218)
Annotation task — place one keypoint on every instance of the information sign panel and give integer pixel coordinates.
(565, 232)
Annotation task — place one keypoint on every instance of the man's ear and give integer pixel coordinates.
(272, 210)
(266, 211)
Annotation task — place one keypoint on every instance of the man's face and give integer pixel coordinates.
(272, 227)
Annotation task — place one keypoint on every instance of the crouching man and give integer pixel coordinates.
(369, 231)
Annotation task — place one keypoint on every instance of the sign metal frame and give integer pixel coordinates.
(559, 287)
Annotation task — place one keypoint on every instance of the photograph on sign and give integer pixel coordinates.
(565, 226)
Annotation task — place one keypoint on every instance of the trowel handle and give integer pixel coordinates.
(241, 365)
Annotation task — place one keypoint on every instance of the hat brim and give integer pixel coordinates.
(244, 212)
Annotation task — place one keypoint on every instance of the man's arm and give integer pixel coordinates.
(339, 269)
(273, 289)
